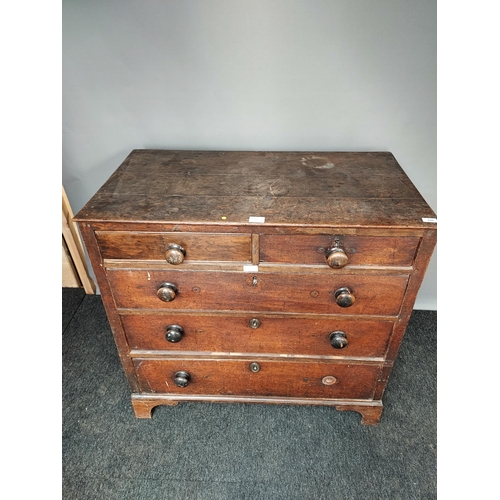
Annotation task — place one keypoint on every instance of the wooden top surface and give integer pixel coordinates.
(287, 188)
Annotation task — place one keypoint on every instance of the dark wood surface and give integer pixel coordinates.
(93, 251)
(360, 250)
(236, 291)
(202, 201)
(275, 378)
(231, 334)
(152, 246)
(296, 188)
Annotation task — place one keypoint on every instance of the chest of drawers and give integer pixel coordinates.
(266, 277)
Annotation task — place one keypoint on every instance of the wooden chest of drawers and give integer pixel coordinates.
(268, 277)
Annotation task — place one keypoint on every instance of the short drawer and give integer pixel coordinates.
(153, 246)
(258, 377)
(257, 333)
(359, 250)
(272, 292)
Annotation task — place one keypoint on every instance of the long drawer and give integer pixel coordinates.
(258, 377)
(257, 333)
(239, 291)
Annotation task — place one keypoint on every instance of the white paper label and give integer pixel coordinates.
(256, 219)
(429, 219)
(251, 269)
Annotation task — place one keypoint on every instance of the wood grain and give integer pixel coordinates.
(152, 246)
(360, 250)
(275, 378)
(297, 188)
(120, 339)
(239, 291)
(232, 334)
(204, 201)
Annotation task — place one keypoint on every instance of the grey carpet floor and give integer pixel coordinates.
(71, 300)
(240, 451)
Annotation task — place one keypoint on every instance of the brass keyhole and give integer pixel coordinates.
(328, 380)
(254, 323)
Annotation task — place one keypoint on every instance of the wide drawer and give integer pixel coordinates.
(152, 246)
(259, 377)
(257, 333)
(239, 291)
(359, 250)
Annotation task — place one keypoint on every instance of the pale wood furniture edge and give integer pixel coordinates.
(69, 274)
(74, 245)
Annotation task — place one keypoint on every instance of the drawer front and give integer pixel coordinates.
(152, 246)
(257, 334)
(273, 378)
(238, 291)
(360, 250)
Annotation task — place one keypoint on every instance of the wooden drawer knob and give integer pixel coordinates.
(174, 333)
(344, 297)
(182, 379)
(336, 257)
(175, 254)
(167, 292)
(338, 339)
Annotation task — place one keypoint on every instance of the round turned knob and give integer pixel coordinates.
(167, 292)
(175, 254)
(338, 339)
(344, 297)
(174, 333)
(336, 258)
(182, 379)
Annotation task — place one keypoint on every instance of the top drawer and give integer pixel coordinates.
(154, 246)
(350, 250)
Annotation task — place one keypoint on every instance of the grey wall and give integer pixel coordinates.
(317, 75)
